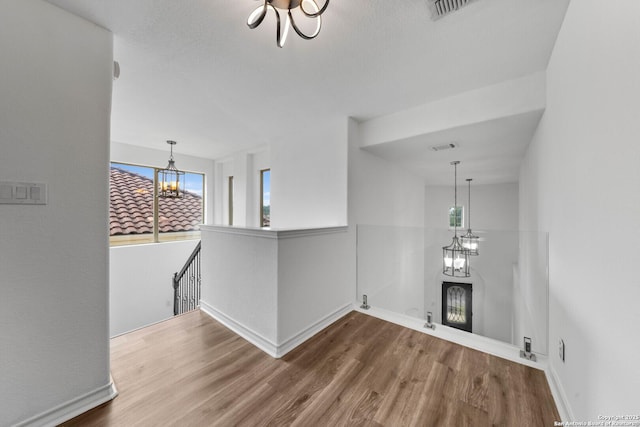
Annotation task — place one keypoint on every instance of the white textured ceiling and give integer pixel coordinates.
(194, 72)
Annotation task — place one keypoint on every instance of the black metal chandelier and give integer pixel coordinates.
(455, 257)
(309, 8)
(170, 179)
(470, 240)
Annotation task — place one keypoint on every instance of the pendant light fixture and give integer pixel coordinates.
(309, 8)
(469, 240)
(455, 258)
(170, 179)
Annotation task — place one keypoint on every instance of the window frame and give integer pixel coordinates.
(156, 236)
(452, 214)
(260, 210)
(230, 199)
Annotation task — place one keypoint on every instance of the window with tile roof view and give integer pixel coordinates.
(265, 197)
(131, 208)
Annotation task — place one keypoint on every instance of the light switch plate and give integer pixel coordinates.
(22, 193)
(35, 193)
(6, 191)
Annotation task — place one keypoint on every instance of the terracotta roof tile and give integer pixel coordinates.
(131, 207)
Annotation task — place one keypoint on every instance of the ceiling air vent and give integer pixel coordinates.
(440, 8)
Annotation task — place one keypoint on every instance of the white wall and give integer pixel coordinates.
(140, 283)
(313, 281)
(380, 192)
(308, 180)
(238, 166)
(240, 280)
(55, 100)
(390, 267)
(309, 177)
(530, 316)
(386, 204)
(493, 207)
(245, 167)
(275, 288)
(223, 170)
(227, 171)
(580, 181)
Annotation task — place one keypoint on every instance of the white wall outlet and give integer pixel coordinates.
(561, 350)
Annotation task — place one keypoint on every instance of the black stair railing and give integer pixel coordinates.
(186, 284)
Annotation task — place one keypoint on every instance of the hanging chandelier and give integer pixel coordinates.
(170, 179)
(455, 258)
(309, 8)
(469, 240)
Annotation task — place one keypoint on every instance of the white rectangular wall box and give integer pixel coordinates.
(22, 193)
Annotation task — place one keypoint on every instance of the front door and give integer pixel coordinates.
(456, 305)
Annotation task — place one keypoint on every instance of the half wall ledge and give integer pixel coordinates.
(276, 287)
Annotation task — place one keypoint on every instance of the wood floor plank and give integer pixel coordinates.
(359, 406)
(360, 371)
(473, 380)
(329, 399)
(400, 400)
(434, 403)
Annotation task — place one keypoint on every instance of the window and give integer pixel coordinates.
(230, 190)
(456, 216)
(265, 197)
(136, 216)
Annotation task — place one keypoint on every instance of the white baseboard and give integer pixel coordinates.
(248, 334)
(474, 341)
(72, 408)
(291, 343)
(559, 395)
(275, 350)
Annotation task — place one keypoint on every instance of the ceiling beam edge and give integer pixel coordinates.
(505, 99)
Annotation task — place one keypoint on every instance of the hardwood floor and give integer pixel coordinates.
(360, 371)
